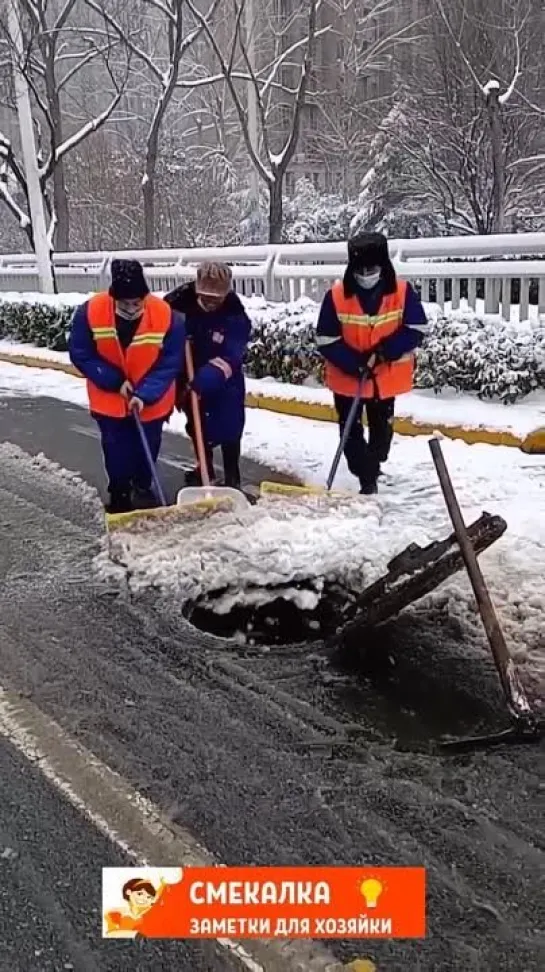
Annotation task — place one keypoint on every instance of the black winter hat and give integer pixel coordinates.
(128, 280)
(367, 250)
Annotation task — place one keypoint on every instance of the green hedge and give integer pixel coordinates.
(486, 357)
(43, 325)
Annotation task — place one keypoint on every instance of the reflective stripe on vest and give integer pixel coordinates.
(363, 332)
(378, 323)
(134, 362)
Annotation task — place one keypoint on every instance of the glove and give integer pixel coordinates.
(367, 363)
(126, 390)
(136, 404)
(208, 381)
(370, 359)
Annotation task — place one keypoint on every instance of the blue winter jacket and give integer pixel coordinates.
(225, 334)
(408, 337)
(84, 356)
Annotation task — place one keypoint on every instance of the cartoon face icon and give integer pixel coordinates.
(140, 896)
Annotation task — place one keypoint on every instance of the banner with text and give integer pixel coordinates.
(264, 902)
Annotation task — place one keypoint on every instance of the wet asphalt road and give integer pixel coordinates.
(237, 748)
(66, 434)
(50, 888)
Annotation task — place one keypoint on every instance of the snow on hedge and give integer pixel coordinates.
(463, 352)
(483, 355)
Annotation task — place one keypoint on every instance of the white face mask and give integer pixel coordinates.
(128, 315)
(368, 280)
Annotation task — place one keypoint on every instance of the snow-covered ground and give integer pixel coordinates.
(424, 407)
(51, 300)
(358, 538)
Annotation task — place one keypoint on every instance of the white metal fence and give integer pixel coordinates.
(503, 272)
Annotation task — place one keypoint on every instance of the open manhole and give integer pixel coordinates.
(280, 621)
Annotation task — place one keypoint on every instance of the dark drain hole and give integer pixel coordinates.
(279, 622)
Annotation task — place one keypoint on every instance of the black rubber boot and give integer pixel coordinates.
(369, 489)
(143, 499)
(230, 454)
(119, 503)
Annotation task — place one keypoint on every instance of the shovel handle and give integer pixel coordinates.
(149, 459)
(197, 423)
(346, 432)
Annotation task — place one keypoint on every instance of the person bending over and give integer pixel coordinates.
(128, 345)
(219, 331)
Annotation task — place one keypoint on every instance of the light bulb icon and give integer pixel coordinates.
(371, 890)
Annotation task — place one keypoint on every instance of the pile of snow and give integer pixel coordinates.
(282, 548)
(352, 543)
(494, 479)
(42, 475)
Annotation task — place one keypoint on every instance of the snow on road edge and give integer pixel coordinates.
(499, 480)
(421, 406)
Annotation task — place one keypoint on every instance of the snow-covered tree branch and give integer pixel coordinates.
(289, 67)
(64, 50)
(350, 96)
(168, 72)
(494, 41)
(450, 157)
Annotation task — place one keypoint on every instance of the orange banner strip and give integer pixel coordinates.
(272, 902)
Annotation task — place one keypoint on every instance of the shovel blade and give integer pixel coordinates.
(136, 520)
(213, 497)
(269, 489)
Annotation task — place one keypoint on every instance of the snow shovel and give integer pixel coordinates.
(124, 521)
(205, 497)
(282, 489)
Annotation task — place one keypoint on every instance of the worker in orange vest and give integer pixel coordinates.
(370, 324)
(128, 344)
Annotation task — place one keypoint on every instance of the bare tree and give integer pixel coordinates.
(103, 176)
(168, 69)
(279, 79)
(461, 149)
(62, 52)
(495, 43)
(352, 81)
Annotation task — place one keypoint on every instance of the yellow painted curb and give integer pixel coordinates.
(534, 443)
(361, 965)
(291, 406)
(44, 363)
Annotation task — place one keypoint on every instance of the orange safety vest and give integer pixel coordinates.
(363, 332)
(135, 361)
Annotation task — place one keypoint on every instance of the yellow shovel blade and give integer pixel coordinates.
(125, 521)
(285, 489)
(137, 520)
